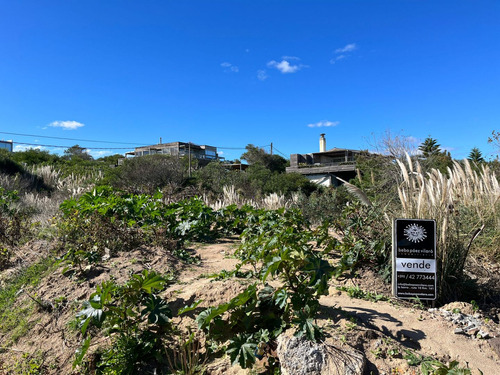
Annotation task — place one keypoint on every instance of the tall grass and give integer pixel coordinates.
(464, 203)
(231, 196)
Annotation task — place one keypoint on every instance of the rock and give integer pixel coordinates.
(473, 331)
(458, 331)
(483, 334)
(299, 356)
(495, 345)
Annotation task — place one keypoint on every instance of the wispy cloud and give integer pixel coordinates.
(323, 123)
(347, 48)
(228, 67)
(343, 52)
(284, 66)
(262, 75)
(337, 58)
(26, 147)
(66, 125)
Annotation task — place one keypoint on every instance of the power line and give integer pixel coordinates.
(67, 139)
(97, 141)
(59, 146)
(274, 147)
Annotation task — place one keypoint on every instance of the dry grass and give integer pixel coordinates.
(270, 202)
(72, 185)
(463, 203)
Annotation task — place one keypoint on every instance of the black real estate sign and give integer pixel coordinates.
(414, 259)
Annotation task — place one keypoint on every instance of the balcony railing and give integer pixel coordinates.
(330, 164)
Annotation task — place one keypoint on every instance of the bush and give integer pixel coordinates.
(276, 244)
(15, 177)
(147, 174)
(325, 204)
(14, 225)
(136, 320)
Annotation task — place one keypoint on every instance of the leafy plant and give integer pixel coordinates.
(357, 292)
(277, 244)
(133, 316)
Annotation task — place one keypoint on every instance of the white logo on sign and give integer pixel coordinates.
(415, 233)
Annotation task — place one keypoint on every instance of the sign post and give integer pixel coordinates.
(414, 259)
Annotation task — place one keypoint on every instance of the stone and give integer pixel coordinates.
(458, 331)
(299, 356)
(495, 345)
(483, 334)
(473, 331)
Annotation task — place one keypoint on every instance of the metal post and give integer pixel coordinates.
(189, 152)
(271, 148)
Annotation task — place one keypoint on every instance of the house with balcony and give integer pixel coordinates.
(203, 153)
(325, 166)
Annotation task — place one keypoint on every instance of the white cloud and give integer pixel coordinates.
(262, 75)
(98, 153)
(284, 66)
(228, 67)
(337, 58)
(343, 52)
(290, 58)
(347, 48)
(25, 147)
(323, 123)
(66, 125)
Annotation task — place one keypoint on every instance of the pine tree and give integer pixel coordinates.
(429, 147)
(476, 156)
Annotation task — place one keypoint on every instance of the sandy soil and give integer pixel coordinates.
(381, 330)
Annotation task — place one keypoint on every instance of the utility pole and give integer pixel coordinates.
(189, 153)
(271, 148)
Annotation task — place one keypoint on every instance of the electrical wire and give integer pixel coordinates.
(67, 139)
(274, 148)
(59, 146)
(97, 141)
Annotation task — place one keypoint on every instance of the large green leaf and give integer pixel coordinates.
(157, 310)
(147, 281)
(242, 350)
(92, 312)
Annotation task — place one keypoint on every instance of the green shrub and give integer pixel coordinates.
(136, 320)
(15, 226)
(147, 174)
(276, 244)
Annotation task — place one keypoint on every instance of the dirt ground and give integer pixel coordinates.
(382, 330)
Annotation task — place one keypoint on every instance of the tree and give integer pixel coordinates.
(394, 145)
(77, 153)
(111, 159)
(430, 147)
(476, 156)
(495, 139)
(256, 155)
(33, 156)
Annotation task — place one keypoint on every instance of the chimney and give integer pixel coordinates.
(322, 143)
(160, 140)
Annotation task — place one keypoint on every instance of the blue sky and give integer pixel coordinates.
(230, 73)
